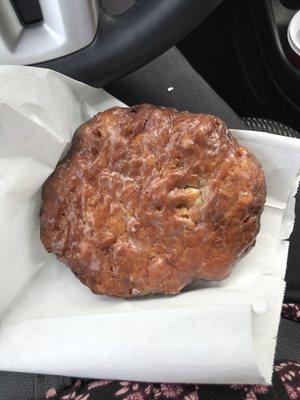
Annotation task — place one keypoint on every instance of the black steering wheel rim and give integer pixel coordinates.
(128, 41)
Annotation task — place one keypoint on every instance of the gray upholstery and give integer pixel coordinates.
(18, 386)
(268, 125)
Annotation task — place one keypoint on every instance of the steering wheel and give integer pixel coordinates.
(126, 42)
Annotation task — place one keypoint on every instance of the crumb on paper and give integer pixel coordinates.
(170, 89)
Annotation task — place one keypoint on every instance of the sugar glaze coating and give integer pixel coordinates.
(149, 200)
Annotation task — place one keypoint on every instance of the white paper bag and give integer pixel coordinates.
(218, 332)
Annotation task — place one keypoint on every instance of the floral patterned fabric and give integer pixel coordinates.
(286, 385)
(289, 373)
(291, 311)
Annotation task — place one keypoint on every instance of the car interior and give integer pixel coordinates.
(239, 60)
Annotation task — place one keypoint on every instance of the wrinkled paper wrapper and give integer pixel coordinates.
(218, 332)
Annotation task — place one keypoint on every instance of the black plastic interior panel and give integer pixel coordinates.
(271, 19)
(241, 49)
(28, 11)
(291, 4)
